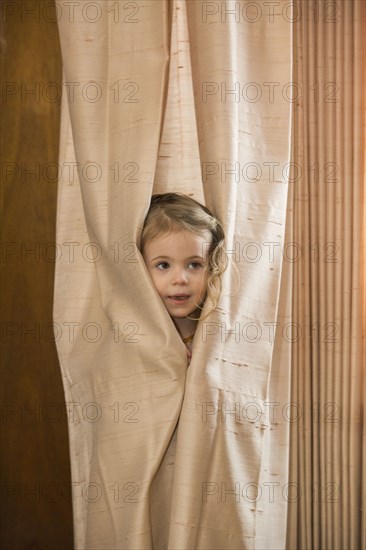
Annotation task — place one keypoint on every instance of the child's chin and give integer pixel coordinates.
(180, 314)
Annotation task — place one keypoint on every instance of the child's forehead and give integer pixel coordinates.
(182, 240)
(183, 235)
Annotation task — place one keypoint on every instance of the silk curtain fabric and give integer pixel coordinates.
(164, 96)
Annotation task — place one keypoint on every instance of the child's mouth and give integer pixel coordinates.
(179, 298)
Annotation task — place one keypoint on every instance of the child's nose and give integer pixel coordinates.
(180, 276)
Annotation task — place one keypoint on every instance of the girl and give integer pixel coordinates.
(183, 246)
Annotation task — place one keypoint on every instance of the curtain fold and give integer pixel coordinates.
(111, 380)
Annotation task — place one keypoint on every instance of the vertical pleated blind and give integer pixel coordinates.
(328, 365)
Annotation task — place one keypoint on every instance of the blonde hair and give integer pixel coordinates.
(170, 212)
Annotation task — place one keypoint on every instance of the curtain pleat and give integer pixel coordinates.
(232, 133)
(178, 158)
(111, 132)
(329, 208)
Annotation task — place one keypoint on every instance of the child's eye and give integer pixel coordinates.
(162, 265)
(196, 265)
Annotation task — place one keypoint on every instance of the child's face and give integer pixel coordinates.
(178, 267)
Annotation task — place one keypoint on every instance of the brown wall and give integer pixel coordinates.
(35, 482)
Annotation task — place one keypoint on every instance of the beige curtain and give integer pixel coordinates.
(196, 97)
